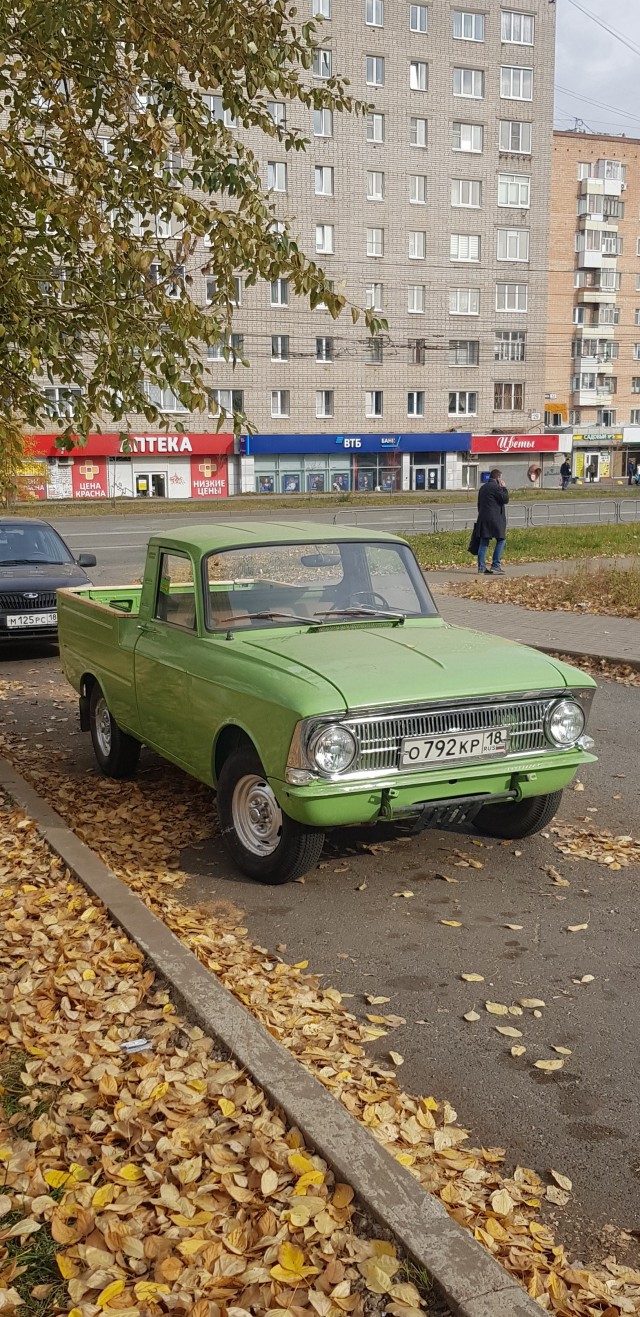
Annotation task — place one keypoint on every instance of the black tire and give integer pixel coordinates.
(521, 818)
(116, 752)
(289, 849)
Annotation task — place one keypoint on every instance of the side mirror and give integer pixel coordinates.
(87, 560)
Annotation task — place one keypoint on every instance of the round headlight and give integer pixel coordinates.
(333, 749)
(565, 722)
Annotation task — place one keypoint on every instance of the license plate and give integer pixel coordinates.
(28, 620)
(418, 751)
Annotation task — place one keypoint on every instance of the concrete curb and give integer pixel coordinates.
(468, 1278)
(579, 654)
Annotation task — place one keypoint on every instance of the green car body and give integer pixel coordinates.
(270, 684)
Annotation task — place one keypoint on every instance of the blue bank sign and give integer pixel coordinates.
(294, 444)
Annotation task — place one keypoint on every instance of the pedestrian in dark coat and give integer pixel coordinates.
(493, 497)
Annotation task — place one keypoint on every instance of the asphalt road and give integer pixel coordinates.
(119, 542)
(348, 922)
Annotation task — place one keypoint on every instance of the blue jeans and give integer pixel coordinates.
(497, 553)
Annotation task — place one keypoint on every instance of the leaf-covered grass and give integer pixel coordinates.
(609, 590)
(449, 548)
(34, 1259)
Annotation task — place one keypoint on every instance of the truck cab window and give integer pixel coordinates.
(175, 598)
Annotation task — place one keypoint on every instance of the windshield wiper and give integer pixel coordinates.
(31, 562)
(364, 612)
(267, 617)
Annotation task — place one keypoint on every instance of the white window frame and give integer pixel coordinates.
(466, 193)
(512, 245)
(283, 341)
(418, 128)
(370, 400)
(276, 176)
(324, 173)
(374, 70)
(324, 404)
(61, 400)
(469, 25)
(418, 18)
(375, 126)
(464, 247)
(374, 13)
(510, 128)
(418, 75)
(417, 189)
(510, 345)
(324, 239)
(415, 403)
(464, 137)
(514, 82)
(322, 118)
(278, 112)
(470, 407)
(321, 8)
(417, 245)
(474, 80)
(375, 241)
(322, 66)
(326, 354)
(279, 292)
(225, 406)
(464, 301)
(514, 299)
(513, 26)
(634, 414)
(514, 191)
(416, 299)
(465, 364)
(280, 403)
(371, 175)
(374, 296)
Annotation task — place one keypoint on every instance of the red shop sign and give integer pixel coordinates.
(209, 477)
(171, 444)
(89, 478)
(515, 443)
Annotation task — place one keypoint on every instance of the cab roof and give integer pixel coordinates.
(212, 538)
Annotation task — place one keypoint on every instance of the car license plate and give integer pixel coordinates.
(19, 621)
(418, 751)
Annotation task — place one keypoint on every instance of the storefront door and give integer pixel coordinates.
(426, 477)
(152, 485)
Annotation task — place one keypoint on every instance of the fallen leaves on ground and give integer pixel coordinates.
(584, 841)
(139, 835)
(623, 673)
(612, 591)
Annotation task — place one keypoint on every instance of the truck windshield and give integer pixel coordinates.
(273, 585)
(31, 544)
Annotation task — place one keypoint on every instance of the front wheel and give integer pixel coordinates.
(117, 753)
(521, 818)
(262, 841)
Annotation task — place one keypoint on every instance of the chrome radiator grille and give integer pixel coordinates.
(380, 739)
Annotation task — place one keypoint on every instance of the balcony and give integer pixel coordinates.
(596, 296)
(589, 260)
(587, 330)
(591, 398)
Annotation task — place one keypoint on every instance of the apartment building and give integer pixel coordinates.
(434, 209)
(593, 360)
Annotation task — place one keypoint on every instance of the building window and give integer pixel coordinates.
(469, 83)
(323, 175)
(373, 403)
(513, 245)
(234, 294)
(466, 192)
(61, 400)
(323, 123)
(516, 83)
(467, 26)
(218, 112)
(415, 299)
(374, 295)
(375, 71)
(417, 245)
(373, 351)
(464, 247)
(417, 189)
(510, 345)
(322, 306)
(634, 416)
(324, 348)
(322, 63)
(278, 112)
(517, 28)
(276, 176)
(418, 18)
(324, 239)
(417, 132)
(417, 351)
(467, 137)
(279, 292)
(418, 75)
(515, 136)
(415, 402)
(225, 401)
(374, 13)
(636, 352)
(324, 403)
(375, 127)
(227, 349)
(463, 402)
(606, 416)
(464, 301)
(514, 190)
(375, 242)
(375, 185)
(464, 351)
(321, 8)
(279, 402)
(512, 297)
(508, 397)
(173, 283)
(279, 347)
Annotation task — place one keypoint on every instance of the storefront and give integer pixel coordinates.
(145, 466)
(340, 464)
(528, 461)
(599, 455)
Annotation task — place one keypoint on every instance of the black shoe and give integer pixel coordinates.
(488, 571)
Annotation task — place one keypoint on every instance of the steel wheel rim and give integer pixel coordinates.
(257, 817)
(103, 727)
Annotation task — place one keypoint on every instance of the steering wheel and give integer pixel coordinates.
(364, 599)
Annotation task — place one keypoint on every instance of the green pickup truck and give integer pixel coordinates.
(305, 672)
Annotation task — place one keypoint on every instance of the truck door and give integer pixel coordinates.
(163, 658)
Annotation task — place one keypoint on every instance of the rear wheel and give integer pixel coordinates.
(521, 818)
(117, 753)
(262, 841)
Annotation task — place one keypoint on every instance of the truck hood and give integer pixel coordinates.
(409, 664)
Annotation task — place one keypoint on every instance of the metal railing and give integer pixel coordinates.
(522, 516)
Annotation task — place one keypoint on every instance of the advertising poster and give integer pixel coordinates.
(89, 477)
(291, 484)
(209, 477)
(32, 480)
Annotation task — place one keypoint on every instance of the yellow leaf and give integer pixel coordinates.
(75, 1312)
(471, 1015)
(508, 1031)
(342, 1195)
(383, 1249)
(396, 1058)
(496, 1008)
(377, 1001)
(299, 1163)
(405, 1158)
(562, 1180)
(451, 923)
(56, 1179)
(109, 1292)
(226, 1106)
(147, 1289)
(407, 895)
(576, 928)
(306, 1181)
(518, 1050)
(376, 1278)
(291, 1267)
(160, 1091)
(301, 964)
(5, 1154)
(548, 1065)
(102, 1196)
(515, 927)
(129, 1172)
(269, 1182)
(531, 1002)
(473, 978)
(189, 1247)
(563, 1051)
(66, 1266)
(502, 1202)
(429, 1104)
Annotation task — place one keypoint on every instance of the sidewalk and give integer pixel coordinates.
(559, 567)
(594, 636)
